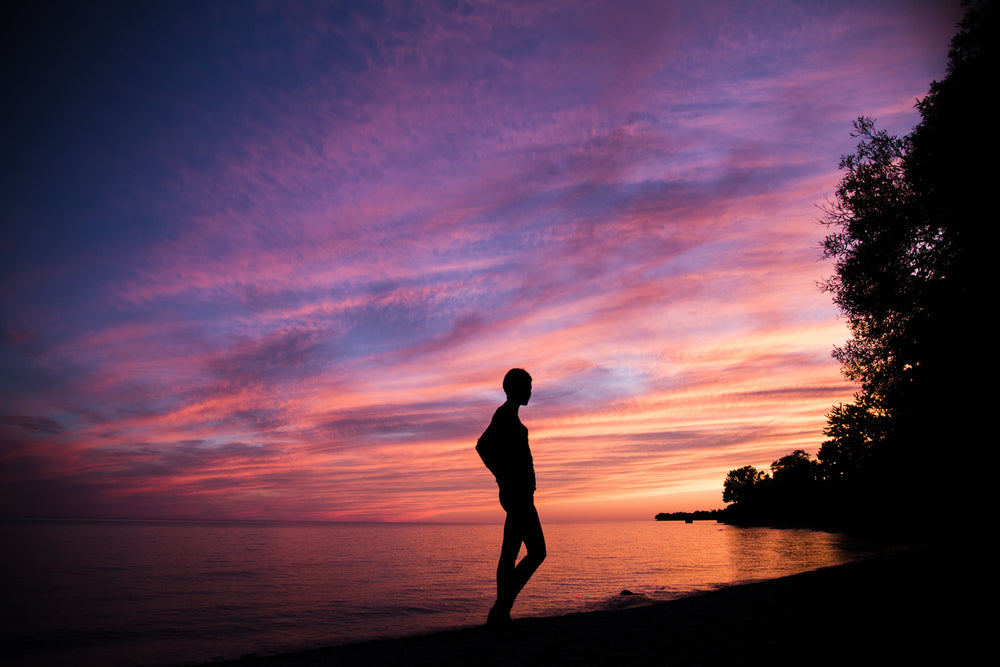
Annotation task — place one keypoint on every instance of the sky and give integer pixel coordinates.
(272, 260)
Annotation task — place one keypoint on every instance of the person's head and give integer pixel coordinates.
(517, 386)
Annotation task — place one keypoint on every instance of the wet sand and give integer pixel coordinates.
(927, 605)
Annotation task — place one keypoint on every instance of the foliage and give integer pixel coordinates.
(740, 484)
(853, 429)
(794, 468)
(913, 249)
(914, 241)
(788, 496)
(872, 217)
(914, 244)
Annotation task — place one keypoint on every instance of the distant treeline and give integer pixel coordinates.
(698, 515)
(798, 491)
(914, 240)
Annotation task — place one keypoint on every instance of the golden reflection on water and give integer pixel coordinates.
(232, 588)
(589, 565)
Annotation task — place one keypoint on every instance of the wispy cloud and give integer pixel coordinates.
(318, 237)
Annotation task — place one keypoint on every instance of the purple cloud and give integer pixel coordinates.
(272, 262)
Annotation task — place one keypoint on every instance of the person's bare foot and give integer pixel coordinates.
(498, 617)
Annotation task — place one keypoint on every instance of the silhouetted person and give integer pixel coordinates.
(504, 449)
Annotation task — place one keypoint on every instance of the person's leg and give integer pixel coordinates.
(534, 541)
(521, 526)
(506, 567)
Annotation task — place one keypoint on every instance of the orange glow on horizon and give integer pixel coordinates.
(294, 292)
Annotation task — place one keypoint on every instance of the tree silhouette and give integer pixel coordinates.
(795, 470)
(881, 261)
(741, 484)
(854, 429)
(914, 244)
(914, 240)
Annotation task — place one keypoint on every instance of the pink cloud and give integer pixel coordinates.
(622, 202)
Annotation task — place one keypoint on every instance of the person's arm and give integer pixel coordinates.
(493, 446)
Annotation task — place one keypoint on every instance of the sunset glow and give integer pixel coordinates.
(272, 263)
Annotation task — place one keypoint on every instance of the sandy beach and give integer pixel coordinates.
(928, 605)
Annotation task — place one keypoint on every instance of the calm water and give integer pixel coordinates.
(154, 593)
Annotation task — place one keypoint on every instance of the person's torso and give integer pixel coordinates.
(517, 469)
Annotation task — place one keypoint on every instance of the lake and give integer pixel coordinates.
(159, 593)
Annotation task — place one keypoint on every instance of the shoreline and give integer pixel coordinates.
(924, 603)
